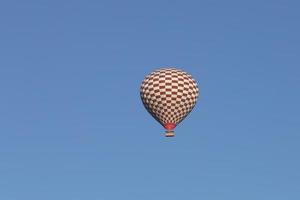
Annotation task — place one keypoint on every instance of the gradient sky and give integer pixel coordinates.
(72, 126)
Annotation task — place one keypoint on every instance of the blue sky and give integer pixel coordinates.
(73, 126)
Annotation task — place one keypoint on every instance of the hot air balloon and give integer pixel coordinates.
(169, 95)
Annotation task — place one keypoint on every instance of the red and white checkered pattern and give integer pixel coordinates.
(169, 95)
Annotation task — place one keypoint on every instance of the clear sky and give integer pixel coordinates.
(72, 126)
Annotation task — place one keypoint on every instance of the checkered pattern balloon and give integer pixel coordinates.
(169, 95)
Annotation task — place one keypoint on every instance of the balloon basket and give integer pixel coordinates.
(169, 134)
